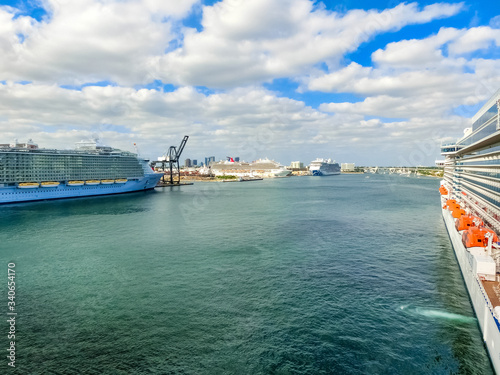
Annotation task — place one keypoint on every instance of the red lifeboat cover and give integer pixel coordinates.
(467, 221)
(456, 213)
(475, 237)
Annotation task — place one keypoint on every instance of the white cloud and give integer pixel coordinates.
(427, 106)
(419, 83)
(416, 94)
(406, 84)
(428, 52)
(241, 42)
(87, 40)
(415, 52)
(475, 39)
(418, 79)
(409, 65)
(495, 22)
(162, 8)
(247, 41)
(248, 121)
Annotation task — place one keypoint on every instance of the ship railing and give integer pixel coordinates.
(489, 156)
(495, 252)
(489, 305)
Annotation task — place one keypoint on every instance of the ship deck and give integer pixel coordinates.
(492, 288)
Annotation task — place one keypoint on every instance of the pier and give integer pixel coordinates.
(162, 183)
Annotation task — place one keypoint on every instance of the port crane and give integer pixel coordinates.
(172, 157)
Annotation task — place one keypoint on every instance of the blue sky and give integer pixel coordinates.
(375, 83)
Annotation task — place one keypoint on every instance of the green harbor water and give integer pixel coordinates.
(349, 274)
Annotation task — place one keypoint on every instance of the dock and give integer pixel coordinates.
(167, 183)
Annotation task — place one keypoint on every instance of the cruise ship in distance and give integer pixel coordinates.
(324, 167)
(258, 168)
(29, 173)
(470, 201)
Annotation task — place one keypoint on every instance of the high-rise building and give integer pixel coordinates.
(209, 160)
(187, 163)
(195, 162)
(237, 159)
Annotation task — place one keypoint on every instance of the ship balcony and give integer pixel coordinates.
(450, 148)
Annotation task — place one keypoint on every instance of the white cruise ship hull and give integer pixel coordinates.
(489, 324)
(318, 172)
(13, 194)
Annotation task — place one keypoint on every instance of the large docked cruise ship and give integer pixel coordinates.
(324, 167)
(470, 200)
(28, 173)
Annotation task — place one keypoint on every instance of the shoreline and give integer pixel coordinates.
(190, 179)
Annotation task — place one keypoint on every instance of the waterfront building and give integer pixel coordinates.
(296, 165)
(347, 167)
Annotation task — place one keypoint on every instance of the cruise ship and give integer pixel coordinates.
(29, 173)
(470, 201)
(324, 167)
(258, 168)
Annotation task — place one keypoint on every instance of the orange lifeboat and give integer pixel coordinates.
(467, 221)
(475, 237)
(454, 206)
(443, 190)
(457, 212)
(449, 202)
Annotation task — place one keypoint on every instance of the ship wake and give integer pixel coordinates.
(437, 314)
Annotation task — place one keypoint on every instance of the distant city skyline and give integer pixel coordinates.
(371, 83)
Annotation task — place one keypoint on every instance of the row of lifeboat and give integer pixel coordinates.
(474, 234)
(443, 190)
(53, 184)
